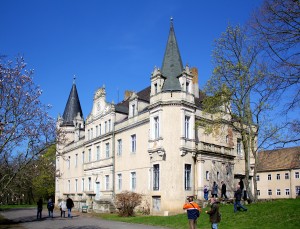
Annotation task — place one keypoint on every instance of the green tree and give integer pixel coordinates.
(44, 179)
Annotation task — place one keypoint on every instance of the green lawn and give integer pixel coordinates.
(276, 214)
(12, 206)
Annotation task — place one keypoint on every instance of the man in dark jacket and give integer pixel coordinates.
(214, 214)
(223, 190)
(70, 205)
(238, 197)
(193, 212)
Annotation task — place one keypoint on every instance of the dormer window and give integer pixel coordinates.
(187, 87)
(155, 88)
(133, 109)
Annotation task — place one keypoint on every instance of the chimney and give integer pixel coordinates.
(195, 81)
(127, 94)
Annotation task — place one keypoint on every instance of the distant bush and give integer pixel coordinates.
(126, 202)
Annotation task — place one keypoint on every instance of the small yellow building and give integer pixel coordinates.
(278, 173)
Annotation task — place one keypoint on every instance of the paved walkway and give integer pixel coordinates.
(26, 219)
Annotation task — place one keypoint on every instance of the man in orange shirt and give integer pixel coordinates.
(193, 211)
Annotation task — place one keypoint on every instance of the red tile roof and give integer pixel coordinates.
(279, 159)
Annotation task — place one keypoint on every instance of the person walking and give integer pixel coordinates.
(193, 212)
(205, 192)
(39, 209)
(50, 206)
(70, 205)
(63, 207)
(214, 191)
(214, 214)
(238, 197)
(223, 190)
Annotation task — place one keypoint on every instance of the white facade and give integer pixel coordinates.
(151, 144)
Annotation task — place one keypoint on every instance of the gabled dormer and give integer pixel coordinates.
(99, 102)
(157, 81)
(133, 105)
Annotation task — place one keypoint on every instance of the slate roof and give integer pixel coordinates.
(143, 95)
(72, 108)
(279, 159)
(172, 64)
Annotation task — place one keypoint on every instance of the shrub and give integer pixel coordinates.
(126, 202)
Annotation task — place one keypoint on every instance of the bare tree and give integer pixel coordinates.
(26, 128)
(277, 25)
(240, 95)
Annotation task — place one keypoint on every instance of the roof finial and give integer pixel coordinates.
(74, 78)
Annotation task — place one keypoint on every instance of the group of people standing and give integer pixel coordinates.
(215, 190)
(63, 206)
(193, 209)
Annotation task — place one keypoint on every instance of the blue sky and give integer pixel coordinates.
(113, 43)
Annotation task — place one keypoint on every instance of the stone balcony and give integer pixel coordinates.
(215, 149)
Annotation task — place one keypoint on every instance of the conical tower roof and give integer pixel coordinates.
(172, 64)
(72, 108)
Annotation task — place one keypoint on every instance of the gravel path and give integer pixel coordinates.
(26, 219)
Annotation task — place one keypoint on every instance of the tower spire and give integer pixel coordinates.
(172, 64)
(73, 107)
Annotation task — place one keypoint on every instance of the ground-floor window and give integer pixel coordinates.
(156, 200)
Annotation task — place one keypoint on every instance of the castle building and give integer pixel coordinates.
(152, 143)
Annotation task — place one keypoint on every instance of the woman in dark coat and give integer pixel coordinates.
(214, 214)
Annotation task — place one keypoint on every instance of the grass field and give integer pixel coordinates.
(279, 214)
(283, 214)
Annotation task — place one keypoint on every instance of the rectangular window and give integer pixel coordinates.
(187, 176)
(106, 182)
(76, 160)
(257, 177)
(133, 181)
(278, 192)
(270, 192)
(119, 150)
(100, 132)
(92, 133)
(82, 157)
(287, 191)
(97, 197)
(69, 162)
(156, 127)
(187, 87)
(119, 181)
(297, 175)
(156, 177)
(287, 176)
(133, 143)
(133, 109)
(96, 131)
(107, 150)
(82, 184)
(76, 185)
(278, 176)
(187, 127)
(105, 127)
(269, 177)
(258, 192)
(90, 155)
(239, 147)
(109, 125)
(207, 175)
(155, 88)
(88, 134)
(69, 186)
(98, 153)
(156, 200)
(90, 183)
